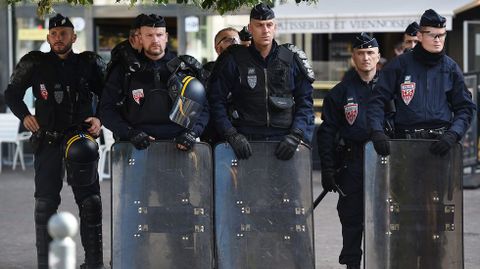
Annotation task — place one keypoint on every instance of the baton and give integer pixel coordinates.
(324, 192)
(319, 198)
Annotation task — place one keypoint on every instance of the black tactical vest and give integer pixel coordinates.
(266, 93)
(146, 98)
(61, 102)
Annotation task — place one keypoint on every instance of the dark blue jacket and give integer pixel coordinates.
(225, 81)
(426, 96)
(344, 116)
(115, 94)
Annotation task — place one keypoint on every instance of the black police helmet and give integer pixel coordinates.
(81, 158)
(194, 90)
(187, 86)
(189, 98)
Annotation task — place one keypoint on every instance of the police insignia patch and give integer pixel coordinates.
(351, 112)
(43, 91)
(407, 89)
(58, 96)
(137, 95)
(252, 77)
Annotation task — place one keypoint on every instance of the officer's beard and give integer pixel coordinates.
(65, 49)
(156, 52)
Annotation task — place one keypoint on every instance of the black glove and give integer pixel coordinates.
(380, 143)
(328, 179)
(239, 143)
(138, 138)
(186, 139)
(287, 147)
(444, 144)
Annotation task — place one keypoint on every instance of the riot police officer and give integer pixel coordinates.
(431, 99)
(270, 87)
(139, 107)
(341, 137)
(410, 38)
(223, 39)
(63, 83)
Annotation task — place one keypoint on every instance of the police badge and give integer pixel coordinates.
(137, 95)
(43, 92)
(351, 111)
(407, 89)
(252, 77)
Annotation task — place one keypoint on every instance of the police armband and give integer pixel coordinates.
(303, 63)
(25, 67)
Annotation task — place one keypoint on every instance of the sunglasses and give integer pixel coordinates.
(433, 35)
(227, 39)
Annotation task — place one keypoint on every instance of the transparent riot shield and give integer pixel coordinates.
(263, 209)
(413, 207)
(161, 207)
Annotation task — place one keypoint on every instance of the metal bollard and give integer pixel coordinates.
(62, 227)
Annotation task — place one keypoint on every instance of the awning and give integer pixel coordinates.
(470, 5)
(352, 16)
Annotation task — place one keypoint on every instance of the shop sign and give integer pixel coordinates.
(346, 25)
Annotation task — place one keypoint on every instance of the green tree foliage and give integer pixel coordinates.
(221, 6)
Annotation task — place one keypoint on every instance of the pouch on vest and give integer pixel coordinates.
(281, 111)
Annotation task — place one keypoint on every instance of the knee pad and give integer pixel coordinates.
(44, 209)
(91, 210)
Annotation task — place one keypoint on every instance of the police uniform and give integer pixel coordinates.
(340, 139)
(430, 96)
(63, 97)
(136, 105)
(271, 97)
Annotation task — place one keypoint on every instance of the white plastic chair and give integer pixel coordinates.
(104, 161)
(9, 125)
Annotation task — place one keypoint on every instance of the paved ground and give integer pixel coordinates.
(17, 228)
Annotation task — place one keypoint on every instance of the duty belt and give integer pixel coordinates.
(420, 133)
(41, 136)
(52, 136)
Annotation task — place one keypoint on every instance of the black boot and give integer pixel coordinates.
(353, 266)
(44, 209)
(91, 232)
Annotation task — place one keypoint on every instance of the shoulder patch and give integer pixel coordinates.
(302, 61)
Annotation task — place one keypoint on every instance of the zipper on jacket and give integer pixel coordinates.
(266, 96)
